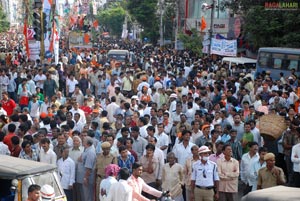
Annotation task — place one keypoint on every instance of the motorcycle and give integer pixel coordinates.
(165, 196)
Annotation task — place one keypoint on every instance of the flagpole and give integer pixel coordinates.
(26, 27)
(42, 42)
(211, 25)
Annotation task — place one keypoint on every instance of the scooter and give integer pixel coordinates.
(165, 196)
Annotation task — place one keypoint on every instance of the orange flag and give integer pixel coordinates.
(26, 39)
(95, 24)
(86, 38)
(203, 23)
(53, 36)
(72, 20)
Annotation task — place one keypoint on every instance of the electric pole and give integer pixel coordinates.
(39, 26)
(161, 31)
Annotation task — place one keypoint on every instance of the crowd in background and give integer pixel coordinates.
(175, 120)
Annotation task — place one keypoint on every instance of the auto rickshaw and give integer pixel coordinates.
(17, 174)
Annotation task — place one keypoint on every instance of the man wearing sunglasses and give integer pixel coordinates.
(205, 178)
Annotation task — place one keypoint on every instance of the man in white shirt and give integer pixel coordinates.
(256, 165)
(173, 98)
(3, 147)
(66, 171)
(4, 81)
(78, 124)
(47, 155)
(31, 84)
(40, 79)
(75, 110)
(247, 160)
(111, 108)
(295, 157)
(190, 113)
(196, 132)
(71, 83)
(120, 190)
(255, 132)
(2, 111)
(143, 127)
(183, 150)
(111, 173)
(34, 107)
(163, 139)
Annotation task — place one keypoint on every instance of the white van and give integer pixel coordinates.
(118, 55)
(239, 60)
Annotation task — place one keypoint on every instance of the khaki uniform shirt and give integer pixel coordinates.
(103, 161)
(267, 179)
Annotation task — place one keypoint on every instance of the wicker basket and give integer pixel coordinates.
(271, 126)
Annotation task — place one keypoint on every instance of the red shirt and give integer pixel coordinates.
(8, 106)
(86, 109)
(7, 140)
(16, 151)
(134, 154)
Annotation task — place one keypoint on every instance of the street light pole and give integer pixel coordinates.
(161, 32)
(42, 42)
(177, 23)
(211, 25)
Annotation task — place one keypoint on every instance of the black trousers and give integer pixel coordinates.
(69, 194)
(296, 176)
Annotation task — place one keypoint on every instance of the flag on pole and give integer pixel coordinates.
(86, 38)
(72, 20)
(95, 24)
(203, 23)
(54, 36)
(26, 39)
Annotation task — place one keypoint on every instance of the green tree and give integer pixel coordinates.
(168, 21)
(267, 28)
(4, 23)
(112, 19)
(193, 42)
(145, 13)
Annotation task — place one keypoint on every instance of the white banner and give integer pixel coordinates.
(223, 47)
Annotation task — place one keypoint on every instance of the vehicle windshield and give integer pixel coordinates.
(118, 57)
(47, 178)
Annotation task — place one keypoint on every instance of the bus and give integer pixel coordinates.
(278, 59)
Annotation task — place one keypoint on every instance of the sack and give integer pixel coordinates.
(272, 126)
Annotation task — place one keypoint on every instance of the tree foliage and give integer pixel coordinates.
(145, 13)
(168, 20)
(272, 28)
(267, 28)
(112, 19)
(4, 23)
(193, 42)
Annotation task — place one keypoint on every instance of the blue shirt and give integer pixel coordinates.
(127, 163)
(89, 161)
(225, 138)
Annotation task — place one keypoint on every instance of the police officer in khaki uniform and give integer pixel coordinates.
(103, 159)
(270, 175)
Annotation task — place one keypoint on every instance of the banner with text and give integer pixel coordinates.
(223, 47)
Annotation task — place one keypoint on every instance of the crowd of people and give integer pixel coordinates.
(168, 120)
